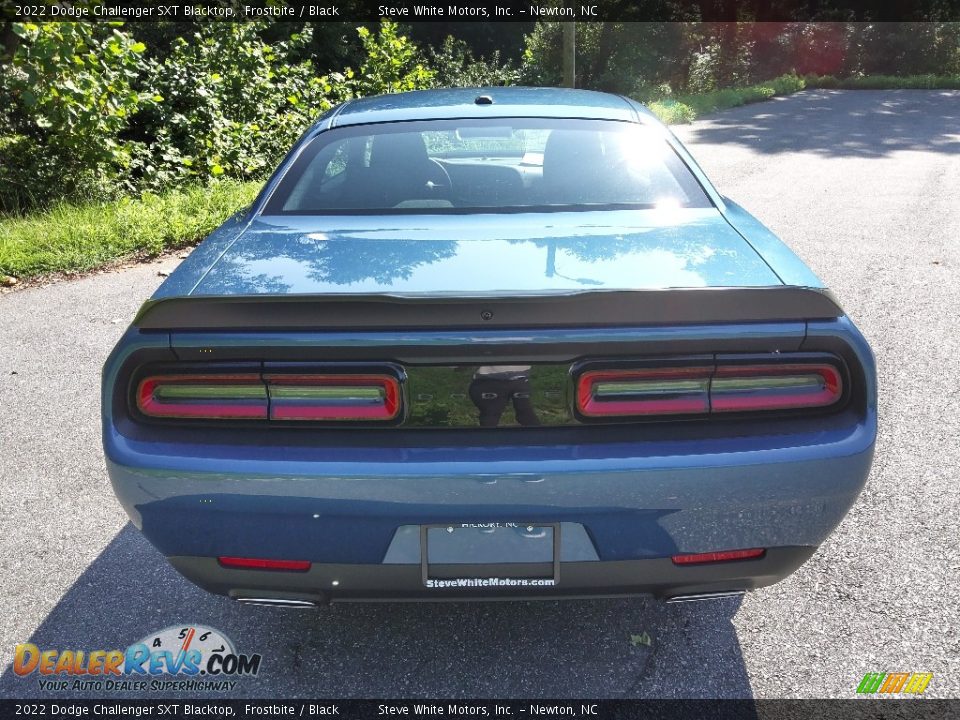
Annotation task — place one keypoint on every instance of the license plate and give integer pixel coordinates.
(490, 555)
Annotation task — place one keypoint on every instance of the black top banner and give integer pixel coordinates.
(410, 11)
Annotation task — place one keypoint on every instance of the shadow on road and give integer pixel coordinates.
(498, 649)
(862, 123)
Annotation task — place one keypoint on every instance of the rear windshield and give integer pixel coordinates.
(495, 165)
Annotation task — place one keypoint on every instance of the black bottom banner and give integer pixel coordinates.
(872, 709)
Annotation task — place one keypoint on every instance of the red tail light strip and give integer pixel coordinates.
(718, 557)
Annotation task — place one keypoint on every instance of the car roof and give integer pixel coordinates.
(506, 102)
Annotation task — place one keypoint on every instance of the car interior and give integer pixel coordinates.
(464, 170)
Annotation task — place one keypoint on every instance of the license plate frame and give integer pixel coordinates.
(483, 571)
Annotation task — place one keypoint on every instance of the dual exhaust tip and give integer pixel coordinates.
(288, 603)
(705, 596)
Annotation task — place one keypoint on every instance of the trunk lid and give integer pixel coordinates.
(492, 254)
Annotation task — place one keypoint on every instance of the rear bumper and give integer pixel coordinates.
(345, 583)
(637, 505)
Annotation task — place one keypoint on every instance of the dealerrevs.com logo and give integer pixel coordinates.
(180, 657)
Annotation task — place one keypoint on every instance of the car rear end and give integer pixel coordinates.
(308, 465)
(507, 357)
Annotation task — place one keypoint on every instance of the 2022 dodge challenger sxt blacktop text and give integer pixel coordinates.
(506, 342)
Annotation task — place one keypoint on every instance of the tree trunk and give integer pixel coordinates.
(9, 42)
(569, 54)
(602, 59)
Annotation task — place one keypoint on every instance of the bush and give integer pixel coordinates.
(821, 81)
(393, 63)
(686, 108)
(87, 117)
(886, 82)
(615, 57)
(672, 112)
(67, 97)
(454, 65)
(930, 82)
(232, 105)
(787, 84)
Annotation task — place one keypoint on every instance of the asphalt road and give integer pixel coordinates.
(864, 185)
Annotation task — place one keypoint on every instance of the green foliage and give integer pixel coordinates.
(79, 237)
(821, 81)
(628, 57)
(68, 95)
(686, 108)
(699, 57)
(542, 63)
(232, 105)
(393, 63)
(672, 112)
(455, 65)
(787, 84)
(886, 82)
(88, 116)
(901, 48)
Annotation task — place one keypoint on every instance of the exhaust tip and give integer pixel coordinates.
(279, 603)
(705, 596)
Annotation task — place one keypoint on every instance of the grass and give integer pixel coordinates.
(886, 82)
(74, 238)
(679, 109)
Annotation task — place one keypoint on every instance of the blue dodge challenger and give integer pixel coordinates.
(506, 342)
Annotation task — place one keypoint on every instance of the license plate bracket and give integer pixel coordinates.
(496, 554)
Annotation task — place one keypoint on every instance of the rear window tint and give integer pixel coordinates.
(501, 164)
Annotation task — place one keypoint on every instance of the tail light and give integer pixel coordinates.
(717, 557)
(739, 388)
(619, 393)
(317, 397)
(372, 393)
(203, 396)
(333, 397)
(723, 388)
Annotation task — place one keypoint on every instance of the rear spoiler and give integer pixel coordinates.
(582, 309)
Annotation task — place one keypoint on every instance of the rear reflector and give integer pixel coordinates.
(333, 397)
(617, 393)
(203, 396)
(717, 557)
(263, 564)
(737, 388)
